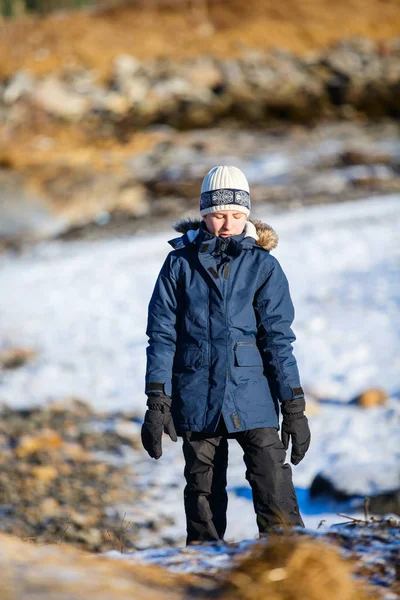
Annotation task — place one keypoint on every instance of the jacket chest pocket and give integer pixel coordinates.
(247, 354)
(188, 360)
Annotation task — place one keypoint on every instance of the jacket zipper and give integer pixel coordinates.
(226, 326)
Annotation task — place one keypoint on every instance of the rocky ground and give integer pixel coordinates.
(288, 167)
(65, 472)
(58, 482)
(352, 78)
(96, 143)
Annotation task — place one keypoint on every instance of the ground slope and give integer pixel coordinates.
(93, 39)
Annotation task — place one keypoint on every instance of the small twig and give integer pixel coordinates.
(120, 535)
(321, 523)
(111, 539)
(351, 519)
(65, 530)
(366, 507)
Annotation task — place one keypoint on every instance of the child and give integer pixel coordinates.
(220, 361)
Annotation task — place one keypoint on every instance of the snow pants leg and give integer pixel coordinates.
(274, 497)
(270, 478)
(205, 496)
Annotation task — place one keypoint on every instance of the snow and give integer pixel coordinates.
(83, 307)
(210, 558)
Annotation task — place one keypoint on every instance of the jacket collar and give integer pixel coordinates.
(209, 243)
(255, 234)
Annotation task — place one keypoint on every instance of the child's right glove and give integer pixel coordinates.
(295, 426)
(157, 419)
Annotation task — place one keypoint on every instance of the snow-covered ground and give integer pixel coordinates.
(83, 306)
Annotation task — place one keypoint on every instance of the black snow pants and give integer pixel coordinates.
(205, 496)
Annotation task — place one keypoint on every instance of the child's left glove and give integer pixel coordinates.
(157, 419)
(295, 426)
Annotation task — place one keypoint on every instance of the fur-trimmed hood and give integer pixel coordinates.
(265, 236)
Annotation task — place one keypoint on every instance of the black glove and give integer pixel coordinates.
(295, 425)
(157, 419)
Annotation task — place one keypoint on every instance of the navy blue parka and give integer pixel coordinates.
(219, 329)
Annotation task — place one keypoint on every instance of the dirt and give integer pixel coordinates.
(93, 38)
(54, 488)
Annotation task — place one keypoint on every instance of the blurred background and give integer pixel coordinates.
(111, 113)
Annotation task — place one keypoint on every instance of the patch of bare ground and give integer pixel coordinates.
(178, 29)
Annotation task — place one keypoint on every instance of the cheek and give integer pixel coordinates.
(213, 226)
(240, 225)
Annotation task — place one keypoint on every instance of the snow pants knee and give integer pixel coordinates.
(270, 478)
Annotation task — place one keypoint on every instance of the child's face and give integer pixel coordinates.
(225, 222)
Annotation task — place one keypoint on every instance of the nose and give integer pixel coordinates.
(228, 222)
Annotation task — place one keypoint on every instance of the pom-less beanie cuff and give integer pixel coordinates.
(217, 207)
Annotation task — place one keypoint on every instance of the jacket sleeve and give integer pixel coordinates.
(162, 330)
(275, 313)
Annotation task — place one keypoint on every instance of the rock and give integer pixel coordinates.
(132, 200)
(49, 507)
(312, 407)
(360, 157)
(322, 486)
(204, 73)
(183, 188)
(168, 206)
(371, 398)
(84, 196)
(92, 537)
(25, 215)
(12, 358)
(129, 79)
(378, 482)
(54, 96)
(21, 84)
(72, 405)
(235, 81)
(350, 57)
(46, 440)
(45, 473)
(115, 103)
(85, 520)
(125, 66)
(378, 504)
(387, 503)
(76, 452)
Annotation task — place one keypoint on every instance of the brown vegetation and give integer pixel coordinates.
(292, 568)
(282, 569)
(176, 29)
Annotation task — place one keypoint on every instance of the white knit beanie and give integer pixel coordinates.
(225, 188)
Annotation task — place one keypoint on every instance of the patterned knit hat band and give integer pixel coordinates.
(225, 199)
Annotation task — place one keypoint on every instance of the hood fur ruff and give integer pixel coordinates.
(267, 237)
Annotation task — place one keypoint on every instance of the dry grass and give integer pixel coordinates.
(293, 569)
(286, 568)
(42, 571)
(94, 39)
